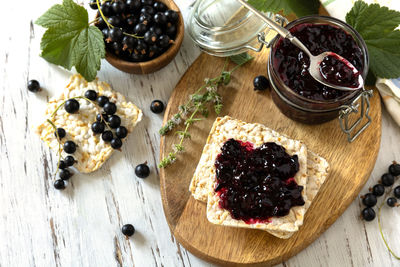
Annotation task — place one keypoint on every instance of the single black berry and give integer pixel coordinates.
(142, 170)
(164, 40)
(387, 179)
(98, 127)
(157, 106)
(110, 108)
(131, 21)
(148, 10)
(65, 174)
(114, 121)
(69, 147)
(33, 86)
(102, 100)
(102, 117)
(128, 42)
(378, 190)
(116, 143)
(128, 229)
(154, 50)
(91, 95)
(118, 7)
(160, 6)
(117, 48)
(60, 132)
(121, 132)
(396, 191)
(106, 9)
(59, 184)
(141, 47)
(93, 4)
(105, 32)
(368, 214)
(62, 165)
(391, 201)
(171, 15)
(140, 29)
(146, 19)
(394, 169)
(150, 37)
(147, 2)
(260, 83)
(115, 34)
(107, 136)
(69, 161)
(71, 105)
(101, 24)
(133, 5)
(171, 31)
(369, 200)
(156, 30)
(116, 21)
(160, 18)
(136, 57)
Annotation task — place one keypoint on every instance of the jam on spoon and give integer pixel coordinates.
(339, 72)
(255, 184)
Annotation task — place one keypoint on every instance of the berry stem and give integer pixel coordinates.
(380, 230)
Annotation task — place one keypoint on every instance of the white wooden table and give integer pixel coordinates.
(40, 226)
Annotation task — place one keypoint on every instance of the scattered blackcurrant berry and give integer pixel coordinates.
(69, 161)
(102, 100)
(116, 143)
(33, 86)
(93, 4)
(369, 200)
(396, 191)
(114, 121)
(60, 132)
(71, 105)
(260, 83)
(368, 214)
(142, 170)
(391, 201)
(69, 147)
(157, 106)
(62, 165)
(59, 184)
(128, 229)
(110, 108)
(394, 169)
(171, 15)
(107, 136)
(65, 174)
(387, 179)
(98, 127)
(91, 95)
(378, 190)
(121, 132)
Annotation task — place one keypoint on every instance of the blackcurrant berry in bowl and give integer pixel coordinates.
(107, 136)
(110, 108)
(142, 170)
(91, 95)
(93, 4)
(387, 179)
(128, 229)
(60, 133)
(71, 105)
(69, 161)
(69, 147)
(118, 7)
(33, 86)
(116, 21)
(394, 169)
(368, 214)
(116, 143)
(157, 106)
(106, 9)
(139, 57)
(369, 200)
(260, 83)
(378, 190)
(121, 132)
(59, 184)
(391, 201)
(102, 100)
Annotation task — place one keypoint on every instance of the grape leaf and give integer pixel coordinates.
(300, 8)
(377, 26)
(70, 41)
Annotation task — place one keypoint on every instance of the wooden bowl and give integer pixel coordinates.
(158, 62)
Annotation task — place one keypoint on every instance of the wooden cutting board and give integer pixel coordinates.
(351, 166)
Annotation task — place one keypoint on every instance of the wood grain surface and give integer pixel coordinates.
(351, 165)
(40, 226)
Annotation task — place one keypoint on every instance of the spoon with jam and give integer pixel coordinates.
(328, 68)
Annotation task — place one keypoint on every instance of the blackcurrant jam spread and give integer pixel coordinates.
(338, 72)
(255, 184)
(292, 64)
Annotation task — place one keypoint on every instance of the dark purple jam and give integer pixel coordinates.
(292, 64)
(339, 72)
(255, 184)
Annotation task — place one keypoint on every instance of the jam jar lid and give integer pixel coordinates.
(225, 27)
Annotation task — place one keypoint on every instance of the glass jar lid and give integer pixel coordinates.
(224, 27)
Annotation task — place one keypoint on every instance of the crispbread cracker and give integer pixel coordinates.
(92, 151)
(224, 129)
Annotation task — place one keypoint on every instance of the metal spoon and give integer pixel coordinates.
(315, 61)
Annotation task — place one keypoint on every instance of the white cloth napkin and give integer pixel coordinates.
(389, 89)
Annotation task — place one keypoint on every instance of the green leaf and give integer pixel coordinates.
(70, 41)
(300, 8)
(240, 59)
(377, 25)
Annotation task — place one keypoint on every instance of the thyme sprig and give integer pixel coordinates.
(198, 103)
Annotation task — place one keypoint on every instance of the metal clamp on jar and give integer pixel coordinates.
(225, 28)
